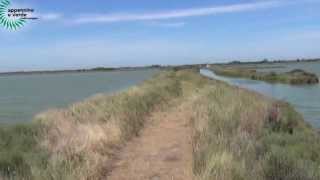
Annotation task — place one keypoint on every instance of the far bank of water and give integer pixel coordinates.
(306, 98)
(23, 96)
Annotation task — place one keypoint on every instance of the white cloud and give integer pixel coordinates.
(49, 16)
(180, 13)
(167, 24)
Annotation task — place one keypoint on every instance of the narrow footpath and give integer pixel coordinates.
(163, 150)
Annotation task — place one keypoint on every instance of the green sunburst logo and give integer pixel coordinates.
(5, 20)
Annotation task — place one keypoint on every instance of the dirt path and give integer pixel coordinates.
(163, 151)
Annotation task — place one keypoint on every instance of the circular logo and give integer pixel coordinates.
(11, 23)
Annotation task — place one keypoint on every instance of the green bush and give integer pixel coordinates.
(19, 151)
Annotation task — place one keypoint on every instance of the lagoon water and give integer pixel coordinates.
(23, 96)
(305, 98)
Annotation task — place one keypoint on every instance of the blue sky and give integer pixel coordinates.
(85, 34)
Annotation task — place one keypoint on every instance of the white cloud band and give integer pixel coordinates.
(181, 13)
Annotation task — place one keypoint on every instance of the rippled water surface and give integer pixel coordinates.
(306, 98)
(23, 96)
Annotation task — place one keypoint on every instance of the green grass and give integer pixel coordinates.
(19, 151)
(293, 77)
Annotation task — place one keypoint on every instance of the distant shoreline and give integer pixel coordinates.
(134, 68)
(74, 71)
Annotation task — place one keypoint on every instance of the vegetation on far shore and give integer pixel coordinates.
(96, 69)
(295, 77)
(237, 134)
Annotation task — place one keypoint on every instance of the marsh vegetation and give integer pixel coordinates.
(295, 77)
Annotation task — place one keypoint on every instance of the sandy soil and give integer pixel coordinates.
(163, 151)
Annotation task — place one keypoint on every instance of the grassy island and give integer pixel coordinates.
(295, 77)
(236, 134)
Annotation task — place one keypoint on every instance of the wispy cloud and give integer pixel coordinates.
(179, 13)
(49, 16)
(167, 24)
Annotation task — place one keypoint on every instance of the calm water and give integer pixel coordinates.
(306, 98)
(23, 96)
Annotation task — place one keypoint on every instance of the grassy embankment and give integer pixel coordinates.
(78, 142)
(237, 134)
(293, 77)
(243, 135)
